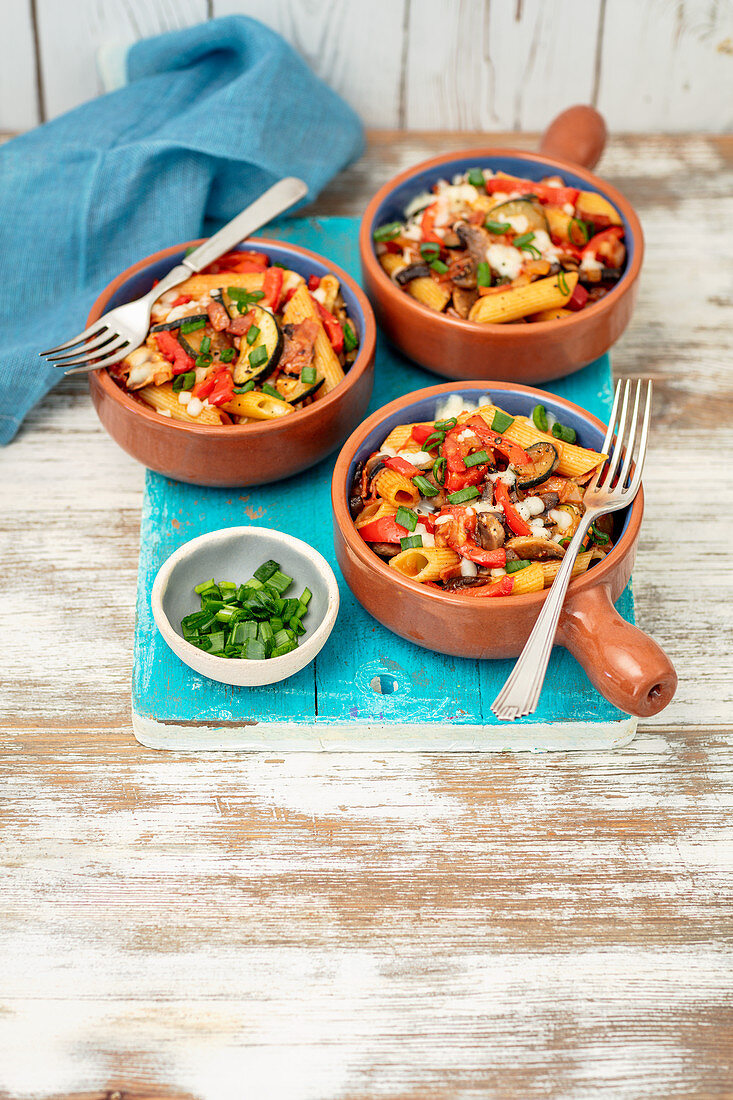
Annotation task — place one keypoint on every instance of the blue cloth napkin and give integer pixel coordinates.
(210, 117)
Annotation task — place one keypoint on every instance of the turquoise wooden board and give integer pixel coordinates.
(368, 689)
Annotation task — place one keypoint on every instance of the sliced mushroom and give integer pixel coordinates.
(549, 499)
(531, 548)
(355, 501)
(463, 300)
(385, 550)
(455, 584)
(412, 271)
(451, 239)
(475, 239)
(489, 531)
(462, 272)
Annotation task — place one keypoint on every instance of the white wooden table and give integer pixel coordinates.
(322, 927)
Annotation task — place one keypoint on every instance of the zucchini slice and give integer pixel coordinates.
(168, 326)
(307, 392)
(258, 359)
(543, 461)
(529, 208)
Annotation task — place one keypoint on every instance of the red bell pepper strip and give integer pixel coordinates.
(427, 224)
(577, 299)
(223, 389)
(239, 262)
(385, 529)
(512, 452)
(492, 559)
(402, 466)
(314, 281)
(203, 388)
(169, 347)
(455, 482)
(420, 433)
(512, 516)
(605, 243)
(272, 286)
(181, 300)
(502, 587)
(333, 329)
(555, 195)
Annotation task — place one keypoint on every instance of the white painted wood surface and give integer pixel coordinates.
(329, 927)
(490, 65)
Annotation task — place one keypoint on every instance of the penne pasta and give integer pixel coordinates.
(574, 460)
(301, 308)
(425, 564)
(376, 510)
(429, 293)
(392, 262)
(400, 439)
(531, 579)
(199, 285)
(580, 565)
(165, 401)
(510, 305)
(258, 406)
(396, 489)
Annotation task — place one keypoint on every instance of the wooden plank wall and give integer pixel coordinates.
(655, 65)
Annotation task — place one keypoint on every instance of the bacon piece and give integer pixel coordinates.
(299, 346)
(240, 326)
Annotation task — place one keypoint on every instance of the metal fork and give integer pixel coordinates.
(123, 329)
(606, 492)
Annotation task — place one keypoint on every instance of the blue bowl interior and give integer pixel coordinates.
(142, 281)
(512, 401)
(392, 207)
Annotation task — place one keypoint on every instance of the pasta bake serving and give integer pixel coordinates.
(480, 502)
(241, 342)
(497, 249)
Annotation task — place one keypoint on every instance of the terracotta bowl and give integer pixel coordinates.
(535, 352)
(236, 455)
(624, 664)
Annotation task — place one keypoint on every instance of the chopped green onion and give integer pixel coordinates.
(190, 249)
(388, 232)
(599, 537)
(272, 392)
(439, 267)
(203, 361)
(350, 340)
(523, 239)
(286, 647)
(483, 274)
(280, 582)
(227, 354)
(405, 518)
(430, 251)
(246, 387)
(253, 650)
(216, 642)
(265, 571)
(257, 357)
(184, 381)
(412, 543)
(585, 235)
(469, 493)
(476, 458)
(205, 344)
(439, 471)
(567, 435)
(308, 375)
(475, 177)
(207, 586)
(306, 598)
(539, 418)
(433, 440)
(191, 326)
(515, 566)
(445, 425)
(425, 487)
(562, 283)
(497, 227)
(501, 421)
(252, 333)
(533, 250)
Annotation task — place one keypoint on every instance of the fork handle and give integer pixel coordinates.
(278, 198)
(523, 687)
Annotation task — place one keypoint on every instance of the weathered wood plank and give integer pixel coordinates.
(19, 105)
(71, 34)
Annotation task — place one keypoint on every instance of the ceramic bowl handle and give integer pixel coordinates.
(623, 663)
(577, 135)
